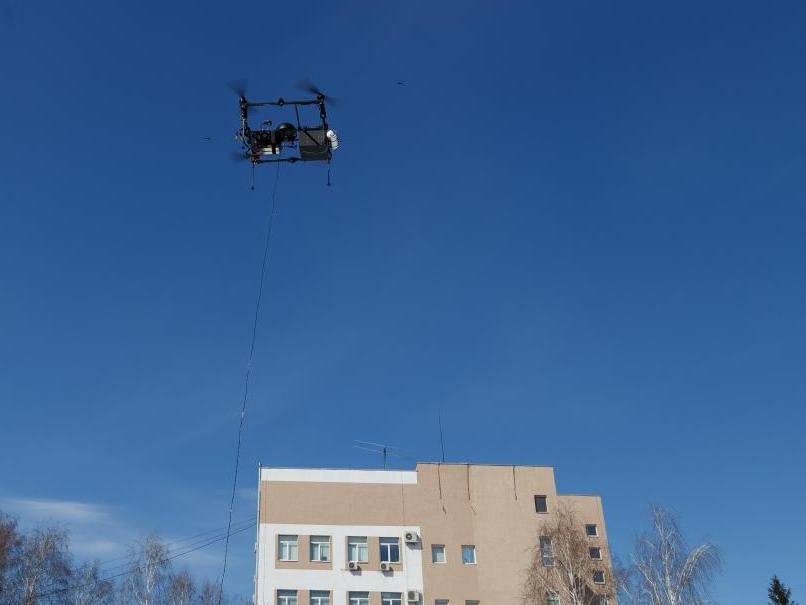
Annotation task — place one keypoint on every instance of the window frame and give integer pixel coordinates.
(473, 550)
(389, 543)
(317, 542)
(444, 554)
(596, 573)
(552, 598)
(595, 527)
(353, 541)
(442, 602)
(359, 600)
(319, 595)
(285, 542)
(285, 599)
(547, 553)
(387, 600)
(598, 549)
(545, 500)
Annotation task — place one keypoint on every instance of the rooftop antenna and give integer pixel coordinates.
(441, 438)
(380, 448)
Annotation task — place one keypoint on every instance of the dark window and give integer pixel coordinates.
(598, 577)
(592, 530)
(390, 550)
(596, 552)
(541, 504)
(546, 551)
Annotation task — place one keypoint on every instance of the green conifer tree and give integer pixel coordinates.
(779, 594)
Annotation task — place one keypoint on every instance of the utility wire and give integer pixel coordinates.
(137, 568)
(190, 541)
(263, 265)
(217, 530)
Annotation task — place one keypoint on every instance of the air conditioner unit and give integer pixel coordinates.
(386, 566)
(353, 566)
(411, 537)
(413, 596)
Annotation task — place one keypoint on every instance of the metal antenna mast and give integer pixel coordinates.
(441, 438)
(380, 448)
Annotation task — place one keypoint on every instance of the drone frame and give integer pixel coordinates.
(244, 132)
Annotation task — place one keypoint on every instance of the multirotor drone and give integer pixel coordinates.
(267, 144)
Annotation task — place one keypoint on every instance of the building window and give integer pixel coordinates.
(541, 504)
(441, 602)
(591, 530)
(357, 550)
(390, 550)
(286, 597)
(469, 556)
(288, 548)
(596, 553)
(437, 553)
(547, 551)
(320, 548)
(598, 577)
(472, 602)
(320, 597)
(359, 598)
(552, 598)
(391, 598)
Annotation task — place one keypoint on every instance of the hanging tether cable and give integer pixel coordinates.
(248, 373)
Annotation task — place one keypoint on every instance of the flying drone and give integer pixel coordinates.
(270, 143)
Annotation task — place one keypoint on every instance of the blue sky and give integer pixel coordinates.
(576, 229)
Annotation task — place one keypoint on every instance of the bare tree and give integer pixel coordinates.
(10, 542)
(87, 587)
(145, 583)
(180, 589)
(664, 571)
(562, 568)
(36, 569)
(208, 595)
(40, 571)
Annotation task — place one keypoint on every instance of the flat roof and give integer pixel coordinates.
(329, 475)
(363, 468)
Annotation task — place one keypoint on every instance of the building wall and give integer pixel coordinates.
(490, 507)
(285, 575)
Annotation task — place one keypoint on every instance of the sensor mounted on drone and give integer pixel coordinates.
(267, 144)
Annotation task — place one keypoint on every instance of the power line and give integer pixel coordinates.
(249, 371)
(182, 542)
(136, 568)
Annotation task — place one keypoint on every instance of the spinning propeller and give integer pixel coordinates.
(313, 89)
(239, 88)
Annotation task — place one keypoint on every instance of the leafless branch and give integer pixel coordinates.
(562, 565)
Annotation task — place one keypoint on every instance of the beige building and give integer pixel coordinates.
(443, 534)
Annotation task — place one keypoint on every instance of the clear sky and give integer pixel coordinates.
(577, 228)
